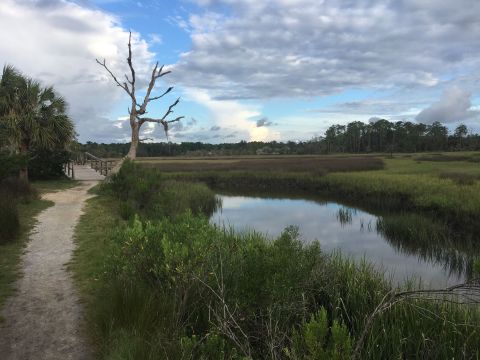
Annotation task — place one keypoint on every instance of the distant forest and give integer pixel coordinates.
(356, 137)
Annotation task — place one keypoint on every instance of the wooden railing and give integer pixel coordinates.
(100, 165)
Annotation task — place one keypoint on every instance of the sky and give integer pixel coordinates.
(254, 70)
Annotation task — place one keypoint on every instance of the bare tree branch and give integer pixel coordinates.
(161, 73)
(137, 108)
(160, 96)
(123, 86)
(132, 70)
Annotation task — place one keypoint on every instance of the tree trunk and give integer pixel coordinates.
(132, 153)
(23, 173)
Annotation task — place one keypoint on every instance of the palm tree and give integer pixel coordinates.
(31, 116)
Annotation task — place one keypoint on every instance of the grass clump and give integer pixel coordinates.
(443, 158)
(460, 178)
(148, 193)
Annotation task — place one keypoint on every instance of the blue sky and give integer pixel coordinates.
(253, 70)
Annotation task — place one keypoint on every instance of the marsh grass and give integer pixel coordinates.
(314, 165)
(148, 193)
(460, 178)
(443, 158)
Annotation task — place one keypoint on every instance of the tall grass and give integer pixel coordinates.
(178, 287)
(287, 164)
(148, 193)
(187, 289)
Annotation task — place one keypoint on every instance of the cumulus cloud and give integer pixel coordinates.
(232, 116)
(57, 42)
(303, 48)
(455, 105)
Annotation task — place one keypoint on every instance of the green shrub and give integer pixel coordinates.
(180, 286)
(145, 192)
(10, 165)
(47, 164)
(316, 339)
(9, 220)
(245, 295)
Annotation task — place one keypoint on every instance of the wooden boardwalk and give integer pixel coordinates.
(86, 173)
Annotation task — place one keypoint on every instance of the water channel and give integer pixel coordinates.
(354, 232)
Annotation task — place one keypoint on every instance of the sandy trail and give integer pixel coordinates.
(43, 318)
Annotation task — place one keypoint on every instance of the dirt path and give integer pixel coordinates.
(43, 318)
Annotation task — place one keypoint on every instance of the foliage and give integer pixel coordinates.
(180, 286)
(316, 339)
(146, 192)
(47, 164)
(9, 219)
(31, 116)
(209, 272)
(10, 164)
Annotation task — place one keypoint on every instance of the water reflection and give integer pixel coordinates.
(402, 253)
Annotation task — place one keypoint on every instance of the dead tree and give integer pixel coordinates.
(137, 109)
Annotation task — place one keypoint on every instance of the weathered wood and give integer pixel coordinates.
(104, 167)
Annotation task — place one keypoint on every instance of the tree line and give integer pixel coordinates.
(356, 137)
(401, 136)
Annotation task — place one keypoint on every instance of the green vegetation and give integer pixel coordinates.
(284, 164)
(147, 193)
(167, 284)
(33, 121)
(404, 184)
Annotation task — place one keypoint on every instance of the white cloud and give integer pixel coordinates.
(231, 115)
(57, 42)
(454, 106)
(306, 48)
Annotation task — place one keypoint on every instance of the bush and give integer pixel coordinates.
(144, 191)
(180, 286)
(245, 296)
(9, 220)
(10, 165)
(47, 164)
